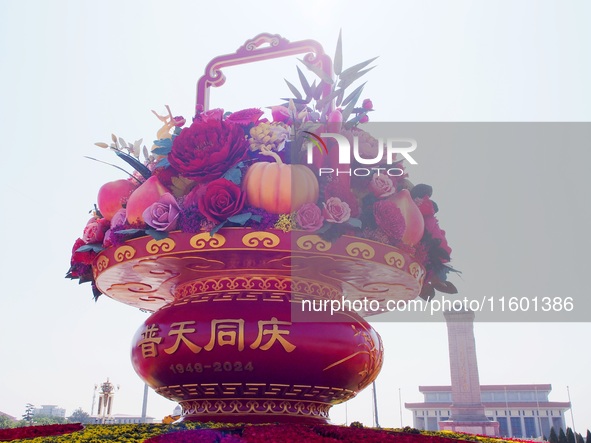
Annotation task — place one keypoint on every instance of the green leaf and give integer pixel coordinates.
(445, 287)
(294, 90)
(304, 81)
(115, 166)
(164, 163)
(91, 247)
(161, 151)
(356, 68)
(318, 71)
(354, 96)
(129, 231)
(338, 55)
(135, 164)
(427, 292)
(240, 219)
(217, 228)
(164, 143)
(157, 235)
(234, 175)
(325, 227)
(355, 222)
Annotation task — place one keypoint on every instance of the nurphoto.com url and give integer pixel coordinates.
(490, 304)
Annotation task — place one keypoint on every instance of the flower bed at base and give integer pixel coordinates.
(29, 432)
(220, 433)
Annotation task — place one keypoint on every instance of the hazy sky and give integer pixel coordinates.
(75, 72)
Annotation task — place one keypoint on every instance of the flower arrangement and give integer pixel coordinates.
(239, 168)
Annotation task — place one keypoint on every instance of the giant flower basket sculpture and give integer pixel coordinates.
(237, 236)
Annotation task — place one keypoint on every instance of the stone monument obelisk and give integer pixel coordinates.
(467, 410)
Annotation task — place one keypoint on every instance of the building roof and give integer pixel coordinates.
(497, 405)
(529, 387)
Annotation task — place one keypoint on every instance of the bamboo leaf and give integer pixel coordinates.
(294, 90)
(356, 68)
(304, 82)
(338, 56)
(346, 82)
(340, 96)
(354, 95)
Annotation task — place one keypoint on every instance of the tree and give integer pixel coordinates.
(579, 438)
(79, 416)
(570, 436)
(29, 413)
(553, 437)
(562, 436)
(5, 422)
(588, 439)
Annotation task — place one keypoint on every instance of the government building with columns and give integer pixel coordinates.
(522, 411)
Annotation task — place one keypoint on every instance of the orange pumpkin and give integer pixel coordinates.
(279, 188)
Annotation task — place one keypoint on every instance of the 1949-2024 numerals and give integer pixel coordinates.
(216, 366)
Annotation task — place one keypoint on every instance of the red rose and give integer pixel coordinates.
(220, 199)
(389, 219)
(425, 205)
(81, 257)
(432, 227)
(207, 149)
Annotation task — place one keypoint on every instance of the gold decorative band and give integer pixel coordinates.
(214, 392)
(256, 407)
(217, 288)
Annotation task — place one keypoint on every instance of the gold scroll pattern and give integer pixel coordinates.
(357, 249)
(124, 252)
(158, 246)
(102, 263)
(308, 242)
(395, 259)
(204, 240)
(255, 239)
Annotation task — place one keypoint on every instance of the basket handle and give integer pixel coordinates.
(251, 52)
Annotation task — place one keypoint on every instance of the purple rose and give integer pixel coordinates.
(336, 210)
(381, 186)
(309, 217)
(163, 214)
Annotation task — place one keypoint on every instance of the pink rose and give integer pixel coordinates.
(163, 214)
(95, 229)
(381, 186)
(120, 218)
(364, 119)
(367, 104)
(336, 210)
(309, 217)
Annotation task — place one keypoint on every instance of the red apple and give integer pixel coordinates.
(147, 193)
(415, 224)
(112, 196)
